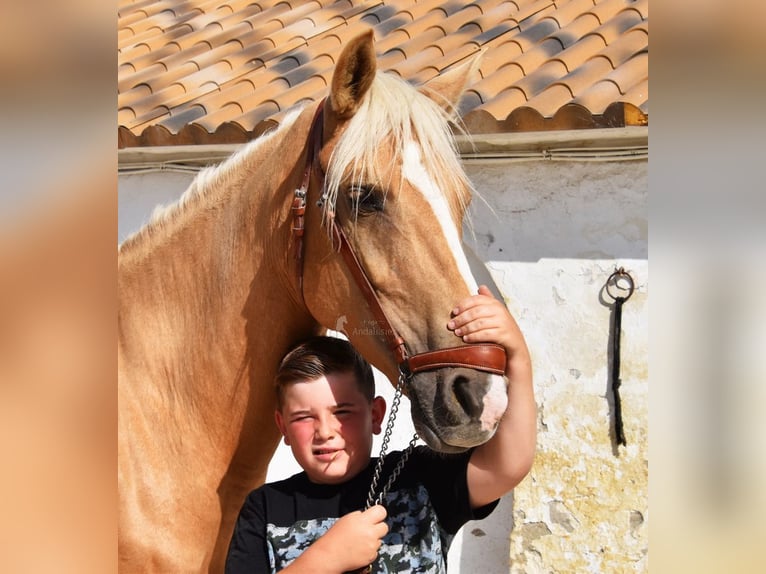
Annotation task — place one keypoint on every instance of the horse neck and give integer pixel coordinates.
(209, 304)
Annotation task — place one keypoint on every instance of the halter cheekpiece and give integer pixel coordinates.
(487, 357)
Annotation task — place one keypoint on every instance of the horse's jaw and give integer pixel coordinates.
(454, 409)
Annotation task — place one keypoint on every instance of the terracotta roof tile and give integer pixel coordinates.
(216, 71)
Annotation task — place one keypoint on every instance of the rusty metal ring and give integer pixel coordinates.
(613, 281)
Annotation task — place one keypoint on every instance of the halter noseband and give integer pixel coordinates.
(488, 357)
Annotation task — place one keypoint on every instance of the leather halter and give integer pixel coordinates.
(488, 357)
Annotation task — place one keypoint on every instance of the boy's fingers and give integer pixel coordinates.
(474, 300)
(484, 290)
(376, 513)
(470, 315)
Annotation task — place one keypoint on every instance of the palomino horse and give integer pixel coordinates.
(215, 290)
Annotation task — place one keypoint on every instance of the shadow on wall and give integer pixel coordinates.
(485, 546)
(563, 210)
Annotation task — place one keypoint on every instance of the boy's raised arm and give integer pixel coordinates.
(497, 466)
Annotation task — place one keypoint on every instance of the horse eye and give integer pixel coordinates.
(366, 199)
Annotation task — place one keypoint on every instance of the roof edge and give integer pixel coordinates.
(509, 143)
(471, 147)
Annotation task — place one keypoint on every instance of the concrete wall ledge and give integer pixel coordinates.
(606, 144)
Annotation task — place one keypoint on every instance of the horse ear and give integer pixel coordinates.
(446, 89)
(353, 75)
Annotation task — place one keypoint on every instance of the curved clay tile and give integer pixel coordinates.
(125, 116)
(523, 119)
(494, 84)
(573, 32)
(586, 74)
(542, 77)
(156, 38)
(480, 122)
(455, 56)
(232, 132)
(192, 134)
(157, 135)
(155, 16)
(176, 67)
(534, 58)
(612, 29)
(495, 16)
(534, 34)
(499, 56)
(630, 72)
(608, 9)
(572, 116)
(150, 116)
(126, 138)
(598, 96)
(470, 101)
(135, 97)
(253, 117)
(642, 6)
(179, 119)
(193, 68)
(568, 12)
(638, 93)
(626, 46)
(551, 99)
(620, 114)
(577, 54)
(220, 114)
(509, 99)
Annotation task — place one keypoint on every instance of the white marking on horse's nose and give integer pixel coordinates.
(495, 403)
(416, 174)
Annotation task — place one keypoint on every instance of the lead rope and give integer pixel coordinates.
(371, 498)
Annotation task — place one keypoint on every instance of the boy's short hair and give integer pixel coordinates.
(321, 356)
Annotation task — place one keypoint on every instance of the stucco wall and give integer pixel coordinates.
(554, 233)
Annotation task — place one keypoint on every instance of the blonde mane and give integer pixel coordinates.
(206, 184)
(395, 109)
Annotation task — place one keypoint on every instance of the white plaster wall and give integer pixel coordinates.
(550, 234)
(139, 194)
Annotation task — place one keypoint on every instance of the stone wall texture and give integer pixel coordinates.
(553, 236)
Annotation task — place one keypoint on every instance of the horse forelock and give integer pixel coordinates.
(208, 184)
(396, 112)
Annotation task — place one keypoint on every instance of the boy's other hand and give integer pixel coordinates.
(354, 540)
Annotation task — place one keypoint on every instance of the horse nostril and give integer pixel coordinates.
(466, 396)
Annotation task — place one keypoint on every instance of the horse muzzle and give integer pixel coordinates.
(456, 408)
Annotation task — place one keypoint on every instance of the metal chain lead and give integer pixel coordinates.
(371, 499)
(397, 470)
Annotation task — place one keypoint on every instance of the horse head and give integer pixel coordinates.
(390, 186)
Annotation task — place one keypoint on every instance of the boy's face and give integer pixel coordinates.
(328, 424)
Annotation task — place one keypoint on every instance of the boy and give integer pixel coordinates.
(327, 414)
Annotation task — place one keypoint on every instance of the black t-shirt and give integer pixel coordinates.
(426, 506)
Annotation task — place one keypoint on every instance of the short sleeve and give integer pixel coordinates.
(445, 478)
(248, 552)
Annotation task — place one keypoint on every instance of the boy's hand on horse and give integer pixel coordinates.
(481, 318)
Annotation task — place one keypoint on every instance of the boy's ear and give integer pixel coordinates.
(378, 412)
(281, 426)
